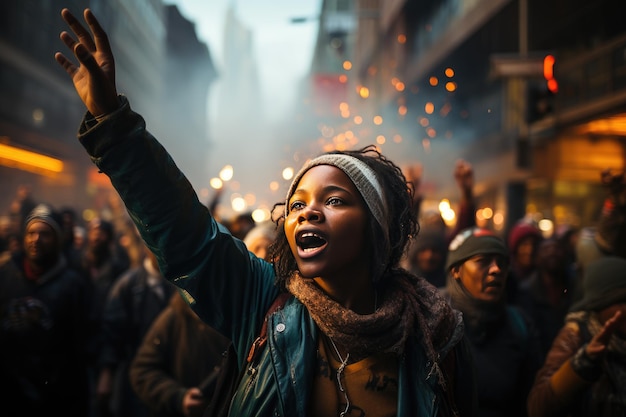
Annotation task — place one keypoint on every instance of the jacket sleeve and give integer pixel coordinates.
(226, 285)
(150, 371)
(557, 384)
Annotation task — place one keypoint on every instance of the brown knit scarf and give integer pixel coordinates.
(408, 305)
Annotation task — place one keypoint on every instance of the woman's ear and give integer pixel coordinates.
(456, 272)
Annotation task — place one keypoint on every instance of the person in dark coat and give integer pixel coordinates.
(133, 303)
(101, 267)
(546, 295)
(504, 342)
(178, 354)
(427, 252)
(584, 373)
(42, 325)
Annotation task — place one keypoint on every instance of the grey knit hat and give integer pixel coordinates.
(363, 177)
(44, 213)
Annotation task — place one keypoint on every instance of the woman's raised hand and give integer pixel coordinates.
(599, 343)
(94, 78)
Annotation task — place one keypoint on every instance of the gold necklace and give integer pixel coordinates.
(340, 370)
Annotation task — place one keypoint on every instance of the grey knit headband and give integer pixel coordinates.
(363, 177)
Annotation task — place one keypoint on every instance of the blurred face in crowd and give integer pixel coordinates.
(525, 252)
(98, 238)
(551, 256)
(40, 244)
(483, 276)
(429, 260)
(259, 246)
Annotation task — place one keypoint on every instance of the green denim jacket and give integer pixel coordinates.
(229, 287)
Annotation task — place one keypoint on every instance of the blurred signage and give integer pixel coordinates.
(516, 66)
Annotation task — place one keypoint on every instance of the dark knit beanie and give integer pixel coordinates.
(603, 284)
(474, 241)
(44, 213)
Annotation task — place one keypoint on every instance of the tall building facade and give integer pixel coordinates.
(433, 81)
(40, 111)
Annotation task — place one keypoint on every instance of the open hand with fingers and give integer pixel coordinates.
(94, 78)
(598, 344)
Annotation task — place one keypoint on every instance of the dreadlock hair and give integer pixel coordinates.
(387, 249)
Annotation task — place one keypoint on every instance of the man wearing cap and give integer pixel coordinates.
(503, 340)
(585, 371)
(42, 311)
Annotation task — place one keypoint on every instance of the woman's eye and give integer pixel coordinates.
(334, 201)
(296, 205)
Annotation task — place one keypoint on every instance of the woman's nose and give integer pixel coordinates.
(311, 214)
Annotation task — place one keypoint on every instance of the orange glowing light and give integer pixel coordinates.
(450, 86)
(27, 160)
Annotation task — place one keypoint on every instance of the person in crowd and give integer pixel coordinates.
(176, 368)
(358, 335)
(177, 362)
(568, 236)
(23, 203)
(128, 243)
(584, 373)
(523, 241)
(426, 254)
(134, 301)
(505, 344)
(547, 294)
(80, 238)
(101, 267)
(10, 238)
(42, 325)
(241, 224)
(608, 236)
(260, 238)
(69, 222)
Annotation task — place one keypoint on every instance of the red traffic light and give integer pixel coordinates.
(548, 73)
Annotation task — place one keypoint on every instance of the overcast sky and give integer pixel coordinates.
(283, 49)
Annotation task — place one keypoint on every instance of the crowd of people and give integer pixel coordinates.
(388, 312)
(84, 316)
